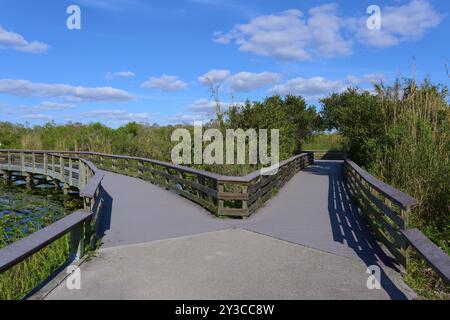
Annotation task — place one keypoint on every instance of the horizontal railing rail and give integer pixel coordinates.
(221, 195)
(26, 247)
(387, 210)
(69, 172)
(328, 154)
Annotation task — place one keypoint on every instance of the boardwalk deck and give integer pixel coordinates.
(318, 249)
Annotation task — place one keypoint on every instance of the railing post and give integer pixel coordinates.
(45, 164)
(81, 175)
(53, 167)
(9, 160)
(77, 242)
(22, 161)
(405, 216)
(34, 162)
(70, 172)
(220, 203)
(245, 202)
(62, 174)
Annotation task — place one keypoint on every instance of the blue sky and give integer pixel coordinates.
(148, 61)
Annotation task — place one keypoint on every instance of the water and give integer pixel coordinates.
(23, 212)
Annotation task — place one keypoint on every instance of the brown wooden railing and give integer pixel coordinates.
(387, 210)
(36, 167)
(328, 154)
(221, 195)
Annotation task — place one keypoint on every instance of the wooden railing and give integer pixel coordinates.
(68, 172)
(387, 210)
(221, 195)
(328, 154)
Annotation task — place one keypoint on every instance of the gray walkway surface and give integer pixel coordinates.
(306, 243)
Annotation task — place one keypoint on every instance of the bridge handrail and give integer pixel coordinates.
(386, 210)
(222, 195)
(402, 199)
(20, 250)
(88, 181)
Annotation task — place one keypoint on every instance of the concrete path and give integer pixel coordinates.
(306, 243)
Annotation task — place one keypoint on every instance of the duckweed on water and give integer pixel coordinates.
(23, 212)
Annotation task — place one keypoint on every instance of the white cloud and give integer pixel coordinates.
(115, 116)
(165, 83)
(119, 74)
(239, 82)
(54, 106)
(214, 76)
(15, 41)
(188, 118)
(290, 35)
(37, 117)
(201, 110)
(368, 78)
(408, 22)
(247, 81)
(319, 86)
(203, 106)
(25, 88)
(309, 87)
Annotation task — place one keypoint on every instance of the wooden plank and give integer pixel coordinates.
(400, 198)
(232, 212)
(394, 216)
(24, 248)
(385, 225)
(437, 259)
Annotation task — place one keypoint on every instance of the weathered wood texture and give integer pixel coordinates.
(436, 258)
(221, 195)
(328, 154)
(65, 171)
(386, 210)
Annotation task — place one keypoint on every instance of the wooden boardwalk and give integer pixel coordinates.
(307, 242)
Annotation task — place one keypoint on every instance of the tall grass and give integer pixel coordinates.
(326, 141)
(416, 159)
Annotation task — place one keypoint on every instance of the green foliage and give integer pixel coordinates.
(326, 141)
(290, 115)
(401, 134)
(22, 213)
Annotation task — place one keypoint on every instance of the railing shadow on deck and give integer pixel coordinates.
(104, 221)
(349, 228)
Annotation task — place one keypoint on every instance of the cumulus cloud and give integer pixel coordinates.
(239, 82)
(408, 22)
(292, 35)
(25, 88)
(214, 76)
(207, 107)
(247, 81)
(368, 78)
(115, 116)
(54, 106)
(164, 83)
(37, 117)
(15, 41)
(309, 87)
(119, 74)
(319, 86)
